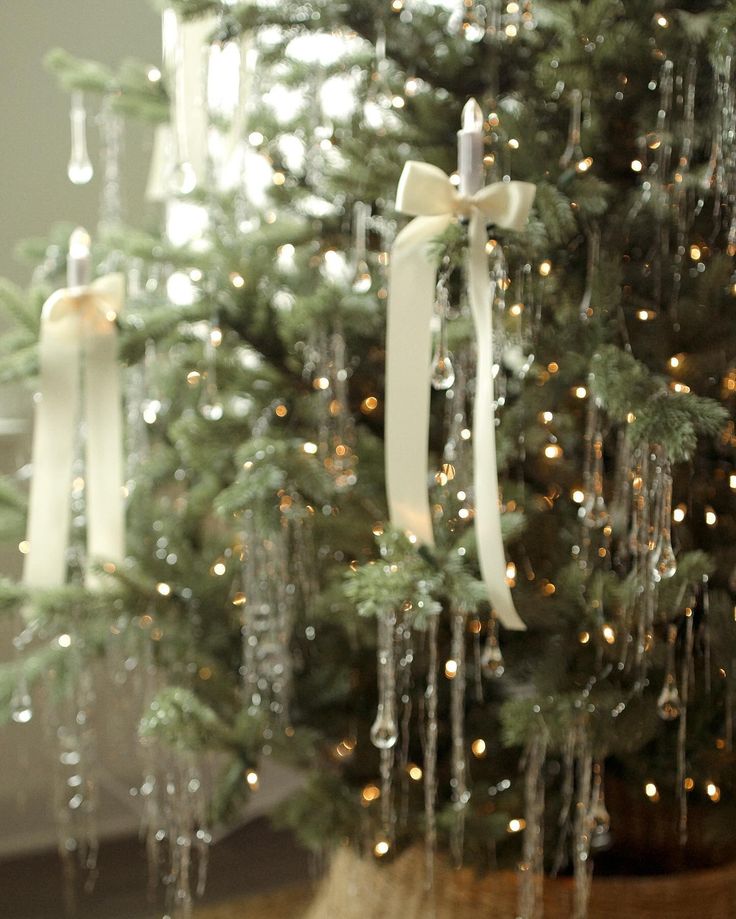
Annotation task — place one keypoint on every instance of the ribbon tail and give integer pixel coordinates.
(491, 556)
(408, 352)
(53, 452)
(104, 473)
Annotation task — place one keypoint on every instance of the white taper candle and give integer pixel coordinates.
(79, 261)
(470, 149)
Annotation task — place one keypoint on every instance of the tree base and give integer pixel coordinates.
(359, 888)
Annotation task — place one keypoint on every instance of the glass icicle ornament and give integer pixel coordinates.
(430, 731)
(599, 816)
(75, 785)
(582, 829)
(111, 135)
(79, 169)
(267, 594)
(21, 703)
(686, 667)
(385, 731)
(491, 659)
(443, 372)
(458, 759)
(362, 281)
(593, 510)
(531, 877)
(662, 558)
(573, 156)
(211, 406)
(593, 237)
(668, 703)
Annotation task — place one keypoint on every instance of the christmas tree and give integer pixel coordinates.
(434, 687)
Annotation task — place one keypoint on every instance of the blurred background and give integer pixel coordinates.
(35, 194)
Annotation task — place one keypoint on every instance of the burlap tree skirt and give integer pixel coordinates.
(356, 888)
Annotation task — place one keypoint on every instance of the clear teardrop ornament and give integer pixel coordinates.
(668, 703)
(21, 706)
(362, 282)
(384, 731)
(443, 372)
(491, 660)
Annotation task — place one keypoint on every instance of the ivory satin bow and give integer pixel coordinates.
(78, 364)
(427, 194)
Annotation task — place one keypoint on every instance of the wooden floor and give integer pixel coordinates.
(255, 860)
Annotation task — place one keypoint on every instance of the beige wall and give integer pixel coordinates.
(34, 135)
(35, 193)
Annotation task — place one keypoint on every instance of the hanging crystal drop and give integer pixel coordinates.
(362, 281)
(458, 760)
(443, 373)
(491, 660)
(668, 703)
(80, 169)
(468, 20)
(384, 731)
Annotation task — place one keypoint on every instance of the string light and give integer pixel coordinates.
(678, 514)
(163, 589)
(381, 848)
(637, 165)
(415, 772)
(370, 793)
(711, 517)
(713, 792)
(515, 825)
(651, 791)
(251, 777)
(479, 748)
(451, 669)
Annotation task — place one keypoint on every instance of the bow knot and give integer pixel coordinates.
(426, 191)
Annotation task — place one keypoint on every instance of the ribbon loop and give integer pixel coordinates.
(77, 350)
(426, 193)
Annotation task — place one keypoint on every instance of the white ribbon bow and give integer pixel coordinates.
(78, 346)
(427, 194)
